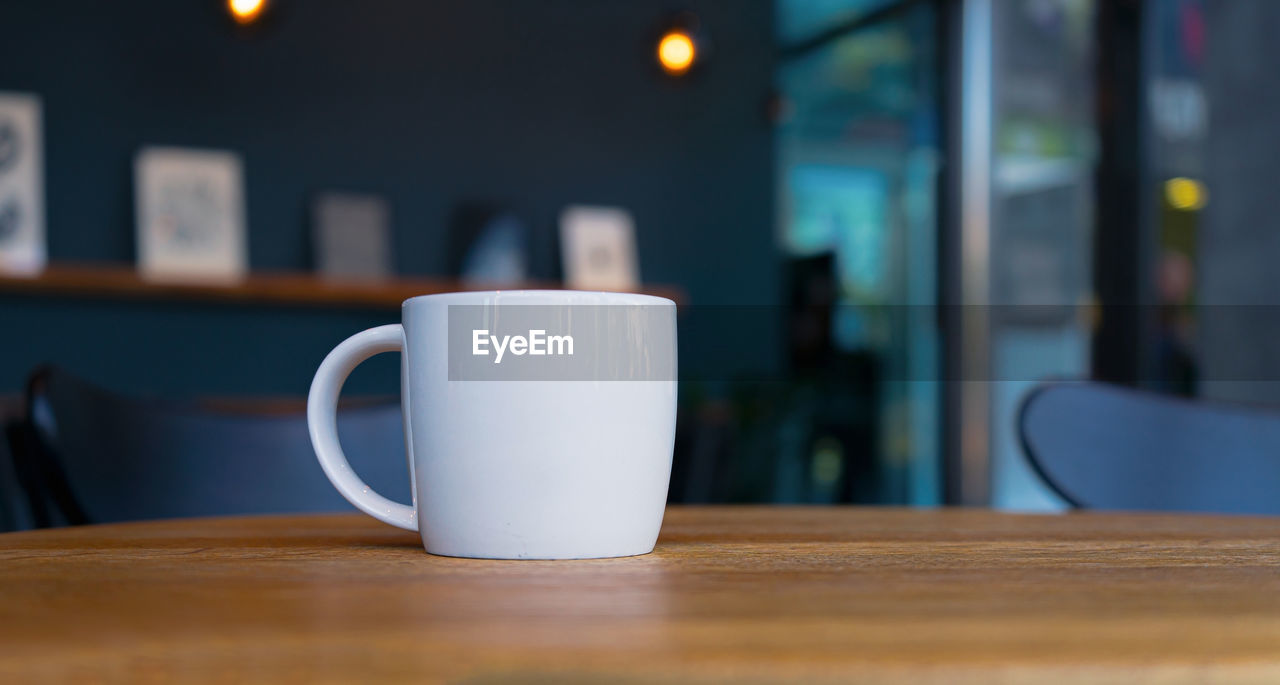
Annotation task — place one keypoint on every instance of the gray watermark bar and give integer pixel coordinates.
(850, 344)
(562, 343)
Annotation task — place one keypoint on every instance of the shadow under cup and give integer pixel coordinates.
(539, 424)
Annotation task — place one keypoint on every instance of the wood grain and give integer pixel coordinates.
(749, 594)
(279, 288)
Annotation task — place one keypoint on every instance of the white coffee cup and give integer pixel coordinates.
(549, 457)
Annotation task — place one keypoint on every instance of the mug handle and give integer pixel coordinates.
(322, 421)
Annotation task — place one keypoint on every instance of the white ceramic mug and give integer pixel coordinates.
(530, 460)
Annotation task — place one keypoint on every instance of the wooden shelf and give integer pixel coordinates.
(277, 288)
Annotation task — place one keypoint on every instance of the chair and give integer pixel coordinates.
(1106, 447)
(83, 454)
(11, 495)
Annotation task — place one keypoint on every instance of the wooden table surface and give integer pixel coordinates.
(743, 594)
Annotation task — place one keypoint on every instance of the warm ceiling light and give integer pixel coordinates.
(676, 52)
(1186, 194)
(246, 11)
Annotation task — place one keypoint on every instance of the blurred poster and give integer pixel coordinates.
(190, 214)
(598, 248)
(352, 236)
(22, 244)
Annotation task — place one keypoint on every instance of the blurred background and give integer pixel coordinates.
(885, 221)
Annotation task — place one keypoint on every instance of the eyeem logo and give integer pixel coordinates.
(538, 343)
(561, 342)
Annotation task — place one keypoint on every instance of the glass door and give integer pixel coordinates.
(858, 156)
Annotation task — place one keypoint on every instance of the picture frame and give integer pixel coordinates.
(598, 248)
(351, 234)
(23, 251)
(190, 215)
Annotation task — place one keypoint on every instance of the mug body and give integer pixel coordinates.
(564, 452)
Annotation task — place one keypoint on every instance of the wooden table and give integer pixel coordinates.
(748, 595)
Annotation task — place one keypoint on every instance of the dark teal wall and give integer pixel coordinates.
(532, 104)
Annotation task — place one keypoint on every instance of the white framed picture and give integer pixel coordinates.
(190, 214)
(22, 243)
(598, 248)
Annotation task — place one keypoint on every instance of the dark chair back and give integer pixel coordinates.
(1106, 447)
(89, 455)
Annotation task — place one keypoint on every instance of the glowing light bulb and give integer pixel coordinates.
(676, 52)
(246, 11)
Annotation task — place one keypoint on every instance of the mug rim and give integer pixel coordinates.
(618, 297)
